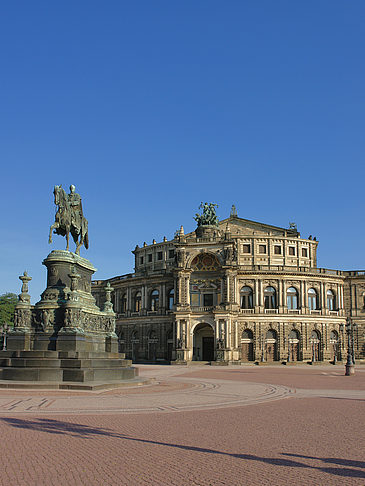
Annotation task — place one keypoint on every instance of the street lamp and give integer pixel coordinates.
(350, 363)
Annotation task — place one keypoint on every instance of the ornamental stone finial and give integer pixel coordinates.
(108, 306)
(233, 211)
(24, 296)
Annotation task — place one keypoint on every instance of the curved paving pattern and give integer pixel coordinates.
(174, 391)
(171, 394)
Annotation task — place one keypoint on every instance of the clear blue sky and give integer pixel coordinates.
(150, 108)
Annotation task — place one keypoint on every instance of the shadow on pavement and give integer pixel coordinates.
(85, 432)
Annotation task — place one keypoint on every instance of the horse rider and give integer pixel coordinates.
(74, 200)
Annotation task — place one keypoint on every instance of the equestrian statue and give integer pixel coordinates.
(69, 218)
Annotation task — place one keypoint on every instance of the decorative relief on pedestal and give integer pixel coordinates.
(22, 318)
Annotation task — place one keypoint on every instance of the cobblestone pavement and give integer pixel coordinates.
(199, 426)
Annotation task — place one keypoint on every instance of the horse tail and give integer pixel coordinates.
(86, 240)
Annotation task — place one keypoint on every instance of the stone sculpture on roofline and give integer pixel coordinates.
(207, 221)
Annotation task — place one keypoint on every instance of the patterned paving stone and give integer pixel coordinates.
(312, 437)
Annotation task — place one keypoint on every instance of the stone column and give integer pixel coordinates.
(261, 294)
(302, 297)
(257, 295)
(323, 300)
(280, 296)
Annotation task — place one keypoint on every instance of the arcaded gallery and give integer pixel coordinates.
(236, 291)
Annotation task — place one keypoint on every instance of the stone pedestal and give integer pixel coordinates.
(65, 337)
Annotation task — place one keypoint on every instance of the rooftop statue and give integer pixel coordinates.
(209, 216)
(69, 218)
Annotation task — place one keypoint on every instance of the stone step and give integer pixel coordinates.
(95, 363)
(31, 374)
(199, 363)
(101, 374)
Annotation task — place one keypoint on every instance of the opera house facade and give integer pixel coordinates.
(236, 291)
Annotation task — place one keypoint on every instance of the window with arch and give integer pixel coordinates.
(271, 334)
(137, 300)
(123, 303)
(171, 299)
(270, 298)
(315, 336)
(247, 334)
(154, 300)
(292, 298)
(331, 301)
(312, 299)
(333, 337)
(246, 297)
(294, 335)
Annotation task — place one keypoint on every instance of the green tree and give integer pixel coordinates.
(7, 307)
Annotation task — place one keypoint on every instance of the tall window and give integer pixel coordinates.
(270, 298)
(292, 298)
(123, 303)
(277, 250)
(330, 300)
(312, 299)
(137, 302)
(154, 300)
(171, 299)
(246, 298)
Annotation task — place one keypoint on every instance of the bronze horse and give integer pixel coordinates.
(65, 221)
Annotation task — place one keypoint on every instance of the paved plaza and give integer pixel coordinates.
(196, 425)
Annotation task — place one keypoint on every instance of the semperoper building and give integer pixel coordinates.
(234, 292)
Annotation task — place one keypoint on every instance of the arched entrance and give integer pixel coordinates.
(152, 346)
(203, 343)
(247, 345)
(293, 345)
(170, 342)
(135, 346)
(316, 346)
(335, 347)
(271, 345)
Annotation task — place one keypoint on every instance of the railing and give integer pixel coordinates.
(287, 268)
(271, 311)
(333, 313)
(247, 311)
(202, 309)
(315, 311)
(293, 311)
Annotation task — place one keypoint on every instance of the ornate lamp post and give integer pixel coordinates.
(350, 363)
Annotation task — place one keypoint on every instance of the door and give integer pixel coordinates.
(270, 351)
(247, 351)
(208, 348)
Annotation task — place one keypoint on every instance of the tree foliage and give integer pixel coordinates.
(7, 306)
